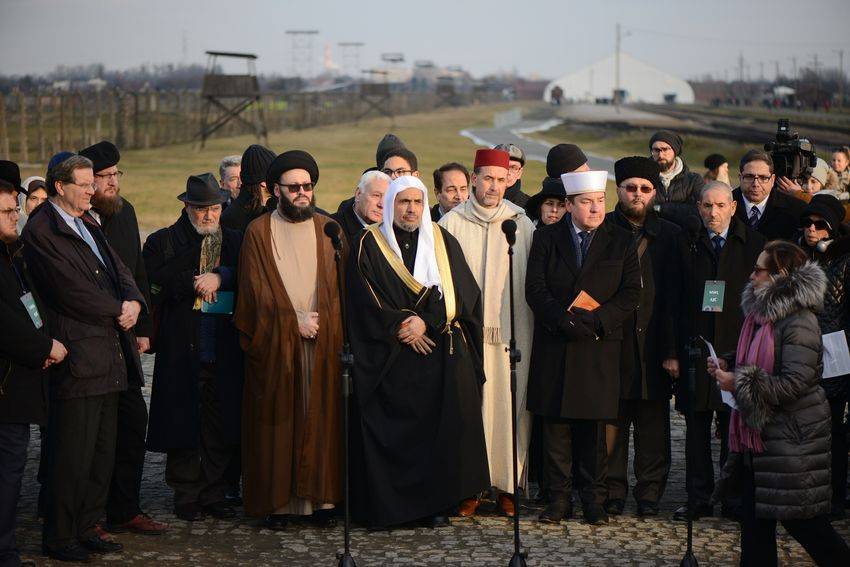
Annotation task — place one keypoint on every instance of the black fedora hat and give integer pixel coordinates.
(203, 191)
(552, 188)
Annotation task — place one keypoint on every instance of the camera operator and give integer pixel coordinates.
(773, 214)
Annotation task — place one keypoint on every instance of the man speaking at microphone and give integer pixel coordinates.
(582, 283)
(288, 316)
(418, 441)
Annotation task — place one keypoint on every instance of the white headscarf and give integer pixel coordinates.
(425, 269)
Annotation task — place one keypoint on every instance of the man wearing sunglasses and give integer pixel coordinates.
(648, 343)
(773, 214)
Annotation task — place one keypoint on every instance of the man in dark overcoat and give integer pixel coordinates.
(721, 249)
(26, 350)
(197, 381)
(574, 379)
(117, 219)
(762, 206)
(648, 340)
(92, 304)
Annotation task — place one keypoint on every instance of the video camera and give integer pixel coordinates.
(793, 157)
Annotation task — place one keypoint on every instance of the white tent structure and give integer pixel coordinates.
(638, 81)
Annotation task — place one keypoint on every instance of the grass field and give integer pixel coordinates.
(153, 178)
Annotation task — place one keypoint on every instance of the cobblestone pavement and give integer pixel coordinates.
(483, 541)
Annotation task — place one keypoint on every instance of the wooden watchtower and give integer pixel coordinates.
(226, 97)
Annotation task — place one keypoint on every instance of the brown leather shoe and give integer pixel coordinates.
(506, 504)
(141, 524)
(468, 507)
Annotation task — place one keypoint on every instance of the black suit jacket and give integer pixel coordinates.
(568, 378)
(781, 217)
(699, 263)
(348, 221)
(82, 301)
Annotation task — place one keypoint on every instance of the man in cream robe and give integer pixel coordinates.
(477, 225)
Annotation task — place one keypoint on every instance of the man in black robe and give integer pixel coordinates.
(416, 334)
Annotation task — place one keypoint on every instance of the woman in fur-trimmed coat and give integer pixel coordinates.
(779, 435)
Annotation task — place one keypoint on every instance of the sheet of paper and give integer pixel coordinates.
(836, 356)
(727, 397)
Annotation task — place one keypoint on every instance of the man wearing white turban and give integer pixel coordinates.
(416, 333)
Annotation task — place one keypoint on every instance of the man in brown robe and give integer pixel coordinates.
(288, 316)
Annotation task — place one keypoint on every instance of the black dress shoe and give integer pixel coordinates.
(615, 507)
(646, 508)
(594, 515)
(555, 512)
(276, 522)
(73, 552)
(232, 497)
(190, 513)
(220, 510)
(700, 511)
(323, 518)
(439, 521)
(97, 544)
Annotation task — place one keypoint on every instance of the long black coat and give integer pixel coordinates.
(578, 379)
(649, 332)
(122, 233)
(175, 398)
(23, 348)
(678, 201)
(698, 264)
(239, 214)
(781, 217)
(82, 301)
(348, 221)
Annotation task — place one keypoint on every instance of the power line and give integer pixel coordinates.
(736, 41)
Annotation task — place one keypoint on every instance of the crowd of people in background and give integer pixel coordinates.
(239, 300)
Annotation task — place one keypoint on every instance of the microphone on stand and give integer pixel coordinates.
(823, 245)
(347, 358)
(693, 226)
(514, 356)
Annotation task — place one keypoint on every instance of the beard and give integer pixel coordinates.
(665, 165)
(295, 213)
(636, 211)
(407, 226)
(205, 230)
(107, 206)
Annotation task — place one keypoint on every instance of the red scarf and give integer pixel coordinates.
(755, 348)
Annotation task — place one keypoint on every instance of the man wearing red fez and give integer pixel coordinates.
(477, 225)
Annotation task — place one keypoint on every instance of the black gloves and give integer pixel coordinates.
(574, 326)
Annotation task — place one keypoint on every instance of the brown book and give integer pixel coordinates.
(583, 301)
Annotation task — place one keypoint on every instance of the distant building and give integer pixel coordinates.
(639, 82)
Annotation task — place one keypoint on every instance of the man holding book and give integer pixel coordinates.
(582, 283)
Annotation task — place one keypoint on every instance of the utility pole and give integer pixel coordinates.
(741, 66)
(840, 76)
(761, 71)
(816, 65)
(776, 75)
(617, 67)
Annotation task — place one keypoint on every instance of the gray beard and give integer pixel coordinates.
(406, 226)
(204, 230)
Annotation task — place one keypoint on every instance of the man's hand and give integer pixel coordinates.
(423, 345)
(58, 352)
(671, 365)
(725, 380)
(788, 186)
(206, 285)
(129, 314)
(308, 324)
(143, 344)
(412, 329)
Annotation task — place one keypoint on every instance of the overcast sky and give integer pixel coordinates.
(543, 37)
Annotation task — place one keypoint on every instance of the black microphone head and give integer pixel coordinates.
(693, 224)
(331, 230)
(509, 228)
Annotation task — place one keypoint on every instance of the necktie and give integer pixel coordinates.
(718, 243)
(584, 237)
(87, 237)
(754, 216)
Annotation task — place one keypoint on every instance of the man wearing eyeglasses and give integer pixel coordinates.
(773, 214)
(197, 377)
(648, 340)
(289, 320)
(677, 195)
(715, 262)
(117, 219)
(93, 303)
(400, 161)
(514, 192)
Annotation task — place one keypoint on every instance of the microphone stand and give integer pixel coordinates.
(347, 360)
(514, 355)
(694, 352)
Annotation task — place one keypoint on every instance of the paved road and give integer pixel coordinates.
(534, 149)
(483, 541)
